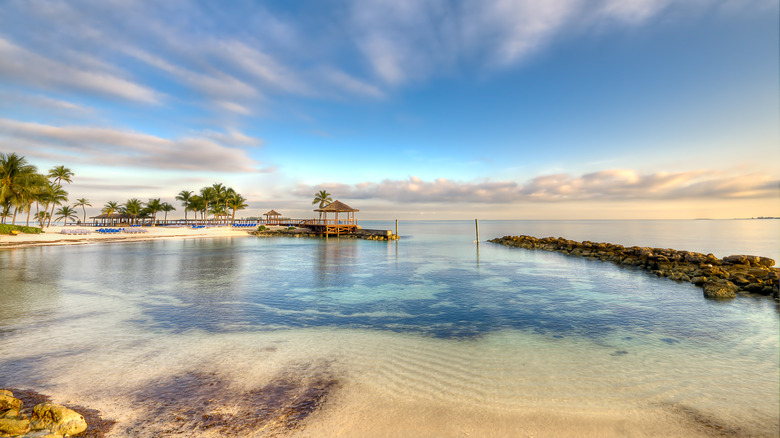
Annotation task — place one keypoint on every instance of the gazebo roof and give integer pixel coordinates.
(336, 207)
(113, 216)
(272, 213)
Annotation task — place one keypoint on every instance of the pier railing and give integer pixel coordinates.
(287, 222)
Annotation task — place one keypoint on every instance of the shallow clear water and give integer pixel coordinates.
(432, 335)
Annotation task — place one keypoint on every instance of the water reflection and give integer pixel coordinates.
(337, 260)
(29, 280)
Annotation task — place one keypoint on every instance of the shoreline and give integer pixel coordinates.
(52, 236)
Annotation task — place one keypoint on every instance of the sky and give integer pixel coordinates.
(404, 109)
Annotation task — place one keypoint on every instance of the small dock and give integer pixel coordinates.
(331, 227)
(323, 226)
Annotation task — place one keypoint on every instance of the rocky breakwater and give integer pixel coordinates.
(719, 278)
(48, 420)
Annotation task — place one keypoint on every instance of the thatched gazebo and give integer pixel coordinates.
(112, 219)
(337, 207)
(272, 217)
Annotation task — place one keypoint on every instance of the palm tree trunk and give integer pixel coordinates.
(29, 208)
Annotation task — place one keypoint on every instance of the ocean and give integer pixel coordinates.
(430, 335)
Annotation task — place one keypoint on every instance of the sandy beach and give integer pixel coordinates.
(53, 236)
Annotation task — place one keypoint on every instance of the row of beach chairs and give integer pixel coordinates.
(121, 230)
(244, 225)
(78, 231)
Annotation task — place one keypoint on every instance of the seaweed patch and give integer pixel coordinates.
(204, 403)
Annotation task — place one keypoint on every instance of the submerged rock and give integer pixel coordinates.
(8, 401)
(57, 419)
(14, 426)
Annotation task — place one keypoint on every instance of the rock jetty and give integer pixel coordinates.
(719, 278)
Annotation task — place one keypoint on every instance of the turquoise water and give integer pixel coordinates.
(433, 328)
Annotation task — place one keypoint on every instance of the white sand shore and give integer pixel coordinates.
(53, 236)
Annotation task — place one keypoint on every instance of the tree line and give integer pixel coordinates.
(22, 187)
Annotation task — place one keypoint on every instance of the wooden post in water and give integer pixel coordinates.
(476, 222)
(396, 227)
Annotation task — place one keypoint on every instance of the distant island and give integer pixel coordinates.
(738, 218)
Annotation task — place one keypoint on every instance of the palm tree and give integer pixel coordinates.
(32, 188)
(209, 196)
(198, 204)
(220, 195)
(59, 174)
(41, 217)
(5, 211)
(236, 202)
(229, 193)
(83, 203)
(184, 196)
(12, 166)
(55, 195)
(14, 169)
(153, 206)
(110, 208)
(67, 212)
(218, 210)
(133, 208)
(324, 199)
(167, 208)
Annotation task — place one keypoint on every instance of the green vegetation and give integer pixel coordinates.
(261, 228)
(324, 199)
(7, 228)
(83, 203)
(22, 188)
(66, 213)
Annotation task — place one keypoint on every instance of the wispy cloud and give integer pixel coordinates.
(406, 40)
(396, 42)
(613, 184)
(216, 152)
(22, 66)
(41, 102)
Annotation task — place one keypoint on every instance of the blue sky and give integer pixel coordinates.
(498, 109)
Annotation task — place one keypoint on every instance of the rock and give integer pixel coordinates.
(8, 401)
(720, 290)
(42, 434)
(6, 392)
(57, 419)
(766, 261)
(12, 426)
(11, 413)
(744, 260)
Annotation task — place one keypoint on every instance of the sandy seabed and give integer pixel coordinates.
(320, 383)
(54, 236)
